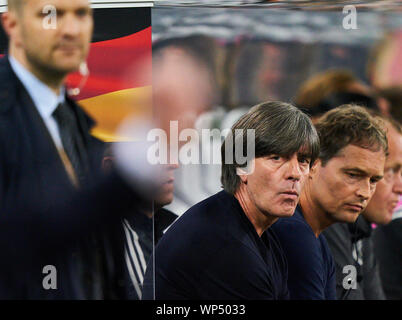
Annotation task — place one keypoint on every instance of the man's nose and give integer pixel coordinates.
(295, 172)
(69, 25)
(397, 188)
(365, 190)
(173, 166)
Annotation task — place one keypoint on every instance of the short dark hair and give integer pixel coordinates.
(394, 97)
(15, 5)
(349, 124)
(394, 124)
(388, 121)
(323, 84)
(280, 128)
(340, 98)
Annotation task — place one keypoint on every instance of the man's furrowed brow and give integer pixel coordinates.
(357, 170)
(362, 172)
(304, 154)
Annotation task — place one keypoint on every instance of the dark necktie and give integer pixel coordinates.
(86, 264)
(72, 140)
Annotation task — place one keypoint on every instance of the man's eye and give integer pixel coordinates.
(304, 160)
(276, 158)
(44, 14)
(391, 173)
(374, 180)
(352, 175)
(82, 13)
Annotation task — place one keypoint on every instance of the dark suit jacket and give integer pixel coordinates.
(388, 249)
(213, 252)
(43, 218)
(343, 240)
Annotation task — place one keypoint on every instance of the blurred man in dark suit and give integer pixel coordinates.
(54, 201)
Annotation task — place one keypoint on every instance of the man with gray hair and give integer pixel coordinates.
(222, 248)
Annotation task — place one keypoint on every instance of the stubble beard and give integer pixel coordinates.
(48, 70)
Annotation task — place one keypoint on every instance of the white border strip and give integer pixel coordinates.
(121, 5)
(99, 4)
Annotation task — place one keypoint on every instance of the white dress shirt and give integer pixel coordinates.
(44, 99)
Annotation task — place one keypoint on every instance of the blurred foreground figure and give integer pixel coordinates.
(352, 244)
(182, 86)
(139, 232)
(222, 248)
(56, 208)
(353, 148)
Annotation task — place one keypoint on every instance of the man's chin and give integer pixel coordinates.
(347, 217)
(387, 219)
(163, 200)
(353, 219)
(61, 70)
(68, 68)
(67, 65)
(380, 217)
(286, 212)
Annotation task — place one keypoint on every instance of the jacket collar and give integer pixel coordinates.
(360, 229)
(10, 86)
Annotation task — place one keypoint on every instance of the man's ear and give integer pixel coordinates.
(314, 168)
(242, 173)
(10, 24)
(6, 22)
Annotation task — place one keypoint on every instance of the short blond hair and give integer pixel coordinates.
(15, 5)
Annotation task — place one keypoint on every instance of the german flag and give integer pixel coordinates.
(120, 63)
